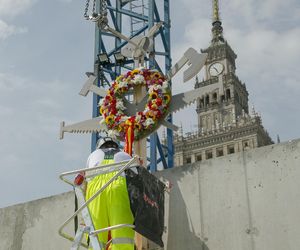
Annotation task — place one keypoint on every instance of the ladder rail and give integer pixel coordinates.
(89, 225)
(78, 238)
(99, 168)
(120, 171)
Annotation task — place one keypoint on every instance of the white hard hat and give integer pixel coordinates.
(110, 141)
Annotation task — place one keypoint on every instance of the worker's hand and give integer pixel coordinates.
(141, 162)
(168, 185)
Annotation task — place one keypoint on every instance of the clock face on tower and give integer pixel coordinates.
(216, 69)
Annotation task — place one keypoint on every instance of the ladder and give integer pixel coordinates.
(88, 227)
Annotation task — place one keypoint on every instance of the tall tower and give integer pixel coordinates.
(224, 123)
(220, 108)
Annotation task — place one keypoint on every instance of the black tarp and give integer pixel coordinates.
(146, 194)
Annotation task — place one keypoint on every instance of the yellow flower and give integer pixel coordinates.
(109, 119)
(157, 75)
(153, 95)
(135, 71)
(150, 114)
(154, 106)
(167, 98)
(137, 126)
(101, 110)
(119, 78)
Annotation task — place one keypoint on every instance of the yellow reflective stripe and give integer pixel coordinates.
(107, 161)
(122, 241)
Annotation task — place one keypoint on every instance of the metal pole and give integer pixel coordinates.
(97, 50)
(168, 65)
(153, 138)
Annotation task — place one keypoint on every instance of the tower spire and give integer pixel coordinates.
(216, 16)
(217, 30)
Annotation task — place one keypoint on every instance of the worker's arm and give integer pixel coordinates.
(123, 156)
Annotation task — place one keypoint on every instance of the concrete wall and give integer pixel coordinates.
(244, 201)
(248, 200)
(34, 225)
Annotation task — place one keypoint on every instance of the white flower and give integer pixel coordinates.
(124, 118)
(165, 86)
(113, 134)
(148, 122)
(123, 84)
(138, 79)
(138, 118)
(100, 103)
(150, 89)
(120, 105)
(146, 109)
(154, 88)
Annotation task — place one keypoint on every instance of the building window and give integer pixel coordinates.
(201, 103)
(207, 100)
(246, 145)
(188, 160)
(209, 154)
(230, 149)
(228, 96)
(220, 152)
(215, 97)
(199, 157)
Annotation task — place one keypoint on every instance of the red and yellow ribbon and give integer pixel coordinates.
(129, 135)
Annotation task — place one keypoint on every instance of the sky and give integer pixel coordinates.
(46, 47)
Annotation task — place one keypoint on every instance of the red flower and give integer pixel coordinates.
(118, 118)
(158, 101)
(112, 92)
(158, 113)
(108, 98)
(113, 110)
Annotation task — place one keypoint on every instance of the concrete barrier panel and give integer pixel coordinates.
(243, 201)
(34, 225)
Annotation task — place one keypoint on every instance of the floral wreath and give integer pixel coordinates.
(144, 122)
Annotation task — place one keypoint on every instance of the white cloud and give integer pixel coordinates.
(10, 83)
(7, 30)
(11, 8)
(30, 113)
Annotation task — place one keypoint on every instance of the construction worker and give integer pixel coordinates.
(112, 206)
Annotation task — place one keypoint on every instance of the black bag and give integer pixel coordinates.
(146, 195)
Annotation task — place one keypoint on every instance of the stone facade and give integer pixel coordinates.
(247, 133)
(225, 125)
